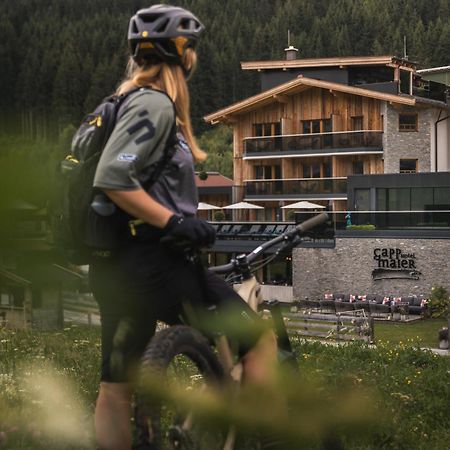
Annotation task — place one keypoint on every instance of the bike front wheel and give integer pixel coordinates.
(178, 360)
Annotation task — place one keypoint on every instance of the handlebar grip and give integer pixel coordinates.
(226, 268)
(311, 223)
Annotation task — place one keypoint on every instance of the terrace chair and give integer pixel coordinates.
(235, 229)
(416, 304)
(381, 307)
(254, 231)
(268, 231)
(290, 227)
(328, 304)
(224, 230)
(342, 302)
(315, 304)
(279, 229)
(362, 303)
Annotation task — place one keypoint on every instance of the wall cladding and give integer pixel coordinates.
(348, 267)
(407, 145)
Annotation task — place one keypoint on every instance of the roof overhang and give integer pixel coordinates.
(282, 93)
(328, 62)
(434, 70)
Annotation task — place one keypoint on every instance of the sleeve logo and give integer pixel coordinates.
(143, 123)
(127, 157)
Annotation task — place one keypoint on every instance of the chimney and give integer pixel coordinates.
(291, 51)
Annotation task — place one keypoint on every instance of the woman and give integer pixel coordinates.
(143, 281)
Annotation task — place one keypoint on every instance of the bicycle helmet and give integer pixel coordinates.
(163, 32)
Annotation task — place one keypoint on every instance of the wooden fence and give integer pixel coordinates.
(81, 309)
(350, 326)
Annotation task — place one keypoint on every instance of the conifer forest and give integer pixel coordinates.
(59, 58)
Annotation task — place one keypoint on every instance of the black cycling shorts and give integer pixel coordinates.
(143, 283)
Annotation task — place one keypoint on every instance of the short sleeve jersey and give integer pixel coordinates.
(137, 142)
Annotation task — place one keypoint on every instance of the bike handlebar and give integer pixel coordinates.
(288, 236)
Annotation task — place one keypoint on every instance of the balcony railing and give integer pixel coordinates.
(431, 90)
(307, 187)
(296, 144)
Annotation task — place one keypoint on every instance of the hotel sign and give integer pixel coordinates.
(393, 263)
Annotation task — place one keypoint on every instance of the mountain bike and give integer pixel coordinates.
(211, 363)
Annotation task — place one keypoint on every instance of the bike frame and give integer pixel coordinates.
(250, 291)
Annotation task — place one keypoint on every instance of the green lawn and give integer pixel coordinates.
(391, 397)
(423, 333)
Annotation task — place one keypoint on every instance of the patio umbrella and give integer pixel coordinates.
(243, 205)
(206, 207)
(303, 205)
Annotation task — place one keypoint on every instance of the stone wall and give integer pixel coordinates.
(348, 267)
(407, 144)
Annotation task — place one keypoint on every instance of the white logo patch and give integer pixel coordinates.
(127, 157)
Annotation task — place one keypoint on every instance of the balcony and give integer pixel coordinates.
(314, 144)
(431, 90)
(298, 189)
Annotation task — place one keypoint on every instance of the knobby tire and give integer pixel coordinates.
(164, 348)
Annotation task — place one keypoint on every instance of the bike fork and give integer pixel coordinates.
(284, 344)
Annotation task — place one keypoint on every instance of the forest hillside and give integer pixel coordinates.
(59, 58)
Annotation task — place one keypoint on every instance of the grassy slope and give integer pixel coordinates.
(423, 332)
(49, 381)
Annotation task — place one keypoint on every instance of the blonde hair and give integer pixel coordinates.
(172, 80)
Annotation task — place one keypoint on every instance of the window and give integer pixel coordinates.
(267, 129)
(407, 122)
(327, 171)
(408, 166)
(317, 126)
(259, 172)
(268, 172)
(405, 81)
(6, 298)
(362, 199)
(421, 198)
(358, 167)
(316, 170)
(306, 171)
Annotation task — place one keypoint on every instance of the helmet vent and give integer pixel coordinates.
(185, 24)
(162, 26)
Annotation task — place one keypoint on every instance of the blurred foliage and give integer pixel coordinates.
(439, 302)
(218, 144)
(394, 396)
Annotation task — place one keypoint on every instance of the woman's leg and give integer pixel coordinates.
(112, 416)
(260, 362)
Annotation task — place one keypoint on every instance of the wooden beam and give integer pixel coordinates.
(228, 120)
(280, 98)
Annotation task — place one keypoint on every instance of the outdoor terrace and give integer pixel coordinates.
(349, 142)
(298, 188)
(360, 224)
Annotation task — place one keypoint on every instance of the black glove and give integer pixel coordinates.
(195, 231)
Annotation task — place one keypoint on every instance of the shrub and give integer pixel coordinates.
(361, 227)
(438, 303)
(291, 215)
(219, 216)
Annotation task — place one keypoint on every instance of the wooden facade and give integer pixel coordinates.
(312, 104)
(300, 139)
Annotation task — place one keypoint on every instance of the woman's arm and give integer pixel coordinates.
(140, 205)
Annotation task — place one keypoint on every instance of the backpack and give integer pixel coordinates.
(86, 222)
